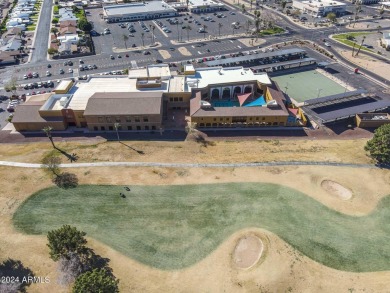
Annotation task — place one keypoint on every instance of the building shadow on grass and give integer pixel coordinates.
(16, 271)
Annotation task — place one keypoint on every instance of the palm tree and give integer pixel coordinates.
(48, 130)
(188, 28)
(219, 28)
(152, 27)
(204, 30)
(257, 25)
(117, 126)
(358, 8)
(142, 38)
(187, 2)
(248, 24)
(125, 38)
(361, 44)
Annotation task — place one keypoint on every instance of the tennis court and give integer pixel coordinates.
(307, 85)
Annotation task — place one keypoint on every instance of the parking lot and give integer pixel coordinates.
(187, 26)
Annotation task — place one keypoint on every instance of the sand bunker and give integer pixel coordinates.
(336, 189)
(247, 251)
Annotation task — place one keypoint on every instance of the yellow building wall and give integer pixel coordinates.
(80, 118)
(39, 126)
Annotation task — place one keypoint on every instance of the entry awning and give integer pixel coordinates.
(242, 98)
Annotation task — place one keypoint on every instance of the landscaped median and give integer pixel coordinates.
(353, 39)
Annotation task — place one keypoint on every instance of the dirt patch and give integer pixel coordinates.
(247, 251)
(164, 54)
(367, 62)
(283, 270)
(184, 51)
(336, 189)
(249, 43)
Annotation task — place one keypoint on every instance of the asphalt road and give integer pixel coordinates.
(39, 53)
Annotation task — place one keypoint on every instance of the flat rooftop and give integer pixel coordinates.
(218, 75)
(82, 91)
(137, 8)
(316, 3)
(177, 84)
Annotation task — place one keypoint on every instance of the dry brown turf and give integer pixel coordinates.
(281, 268)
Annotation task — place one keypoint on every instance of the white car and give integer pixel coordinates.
(25, 76)
(70, 70)
(48, 73)
(327, 44)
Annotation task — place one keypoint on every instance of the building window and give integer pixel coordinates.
(95, 128)
(146, 127)
(102, 128)
(129, 128)
(118, 119)
(215, 119)
(176, 99)
(171, 99)
(250, 118)
(108, 119)
(100, 119)
(128, 119)
(153, 127)
(137, 119)
(221, 119)
(146, 119)
(263, 118)
(201, 125)
(110, 128)
(180, 99)
(138, 127)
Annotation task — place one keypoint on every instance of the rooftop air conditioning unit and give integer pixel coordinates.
(205, 104)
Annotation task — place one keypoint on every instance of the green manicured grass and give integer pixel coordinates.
(31, 27)
(172, 227)
(271, 31)
(343, 39)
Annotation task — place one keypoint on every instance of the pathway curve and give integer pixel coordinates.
(195, 165)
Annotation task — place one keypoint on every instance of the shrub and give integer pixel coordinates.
(66, 180)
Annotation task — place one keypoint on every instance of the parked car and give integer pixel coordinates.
(25, 76)
(48, 65)
(61, 71)
(327, 44)
(70, 70)
(35, 74)
(112, 57)
(48, 73)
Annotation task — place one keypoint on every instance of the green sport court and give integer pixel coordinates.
(306, 85)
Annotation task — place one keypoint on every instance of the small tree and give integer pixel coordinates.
(65, 241)
(12, 85)
(379, 145)
(97, 280)
(84, 25)
(66, 180)
(54, 30)
(204, 30)
(52, 51)
(142, 38)
(47, 130)
(332, 17)
(243, 9)
(52, 164)
(283, 4)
